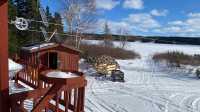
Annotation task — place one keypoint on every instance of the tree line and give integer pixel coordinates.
(29, 9)
(79, 16)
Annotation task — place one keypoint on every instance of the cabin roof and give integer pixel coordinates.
(45, 46)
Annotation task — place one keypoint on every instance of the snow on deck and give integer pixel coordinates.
(13, 68)
(13, 65)
(149, 87)
(58, 74)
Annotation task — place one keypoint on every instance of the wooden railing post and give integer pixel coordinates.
(66, 93)
(4, 88)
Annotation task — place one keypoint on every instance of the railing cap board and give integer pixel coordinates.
(74, 82)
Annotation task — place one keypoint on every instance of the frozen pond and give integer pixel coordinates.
(149, 87)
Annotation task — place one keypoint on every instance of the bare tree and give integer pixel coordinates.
(123, 32)
(80, 16)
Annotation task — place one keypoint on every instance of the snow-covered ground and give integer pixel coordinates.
(13, 68)
(149, 87)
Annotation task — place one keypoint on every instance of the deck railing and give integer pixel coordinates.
(30, 75)
(50, 94)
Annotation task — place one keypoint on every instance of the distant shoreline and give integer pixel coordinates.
(154, 39)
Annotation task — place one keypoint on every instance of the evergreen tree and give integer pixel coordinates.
(50, 20)
(55, 23)
(58, 20)
(48, 14)
(59, 27)
(28, 9)
(13, 45)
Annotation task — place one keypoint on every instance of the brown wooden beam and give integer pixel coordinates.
(56, 88)
(4, 88)
(37, 93)
(53, 108)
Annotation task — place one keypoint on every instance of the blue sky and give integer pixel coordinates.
(147, 17)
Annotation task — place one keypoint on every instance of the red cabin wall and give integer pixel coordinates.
(69, 62)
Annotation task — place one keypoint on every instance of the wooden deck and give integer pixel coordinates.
(55, 94)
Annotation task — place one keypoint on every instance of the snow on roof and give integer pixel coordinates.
(59, 74)
(37, 46)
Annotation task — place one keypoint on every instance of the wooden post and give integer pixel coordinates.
(66, 93)
(4, 87)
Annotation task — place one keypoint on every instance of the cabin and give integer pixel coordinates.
(47, 56)
(40, 62)
(49, 80)
(51, 55)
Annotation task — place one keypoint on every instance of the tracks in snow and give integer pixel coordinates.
(100, 104)
(157, 88)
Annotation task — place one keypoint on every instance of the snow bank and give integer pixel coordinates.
(59, 74)
(13, 68)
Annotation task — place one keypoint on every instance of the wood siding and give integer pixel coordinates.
(39, 61)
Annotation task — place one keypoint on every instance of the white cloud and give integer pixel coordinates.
(194, 15)
(113, 25)
(143, 21)
(187, 27)
(193, 23)
(173, 29)
(176, 23)
(133, 4)
(156, 12)
(106, 4)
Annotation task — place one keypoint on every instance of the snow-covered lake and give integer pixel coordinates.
(149, 87)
